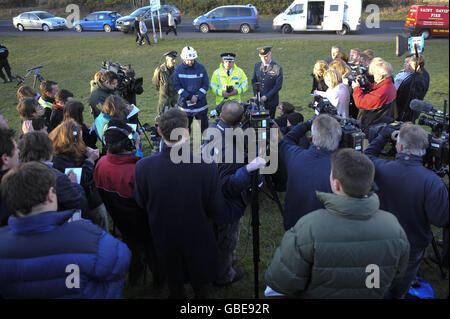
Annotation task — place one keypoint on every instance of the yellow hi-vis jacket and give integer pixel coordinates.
(220, 80)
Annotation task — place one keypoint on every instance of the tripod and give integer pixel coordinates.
(37, 76)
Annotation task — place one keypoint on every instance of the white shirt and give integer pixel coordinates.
(339, 97)
(171, 19)
(142, 27)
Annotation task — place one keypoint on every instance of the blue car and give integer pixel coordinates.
(102, 20)
(242, 18)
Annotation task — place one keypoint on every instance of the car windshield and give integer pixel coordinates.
(138, 12)
(114, 15)
(44, 15)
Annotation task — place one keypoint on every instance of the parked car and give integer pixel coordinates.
(102, 20)
(40, 20)
(242, 18)
(126, 23)
(427, 20)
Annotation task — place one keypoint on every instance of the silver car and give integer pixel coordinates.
(40, 20)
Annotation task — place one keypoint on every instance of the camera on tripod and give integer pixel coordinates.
(352, 135)
(128, 85)
(256, 115)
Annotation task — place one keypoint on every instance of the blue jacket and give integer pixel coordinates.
(413, 193)
(35, 251)
(189, 81)
(308, 171)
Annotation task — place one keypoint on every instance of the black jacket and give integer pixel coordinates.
(182, 200)
(414, 87)
(62, 161)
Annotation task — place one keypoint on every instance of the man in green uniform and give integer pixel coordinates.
(163, 82)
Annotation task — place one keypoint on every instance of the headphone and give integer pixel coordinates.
(131, 143)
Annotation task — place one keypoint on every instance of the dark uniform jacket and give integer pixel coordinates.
(414, 194)
(182, 200)
(326, 253)
(271, 80)
(308, 171)
(413, 87)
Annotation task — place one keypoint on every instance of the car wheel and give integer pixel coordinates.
(78, 28)
(344, 30)
(20, 27)
(245, 28)
(45, 28)
(426, 33)
(286, 29)
(107, 28)
(204, 28)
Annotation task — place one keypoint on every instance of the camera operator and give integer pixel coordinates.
(105, 86)
(376, 106)
(308, 170)
(270, 75)
(413, 193)
(163, 82)
(234, 180)
(5, 65)
(182, 229)
(337, 93)
(326, 253)
(229, 80)
(414, 86)
(191, 81)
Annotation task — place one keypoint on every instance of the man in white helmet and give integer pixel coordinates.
(191, 81)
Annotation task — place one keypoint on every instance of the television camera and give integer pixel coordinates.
(352, 135)
(128, 86)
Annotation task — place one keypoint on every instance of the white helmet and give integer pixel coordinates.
(188, 53)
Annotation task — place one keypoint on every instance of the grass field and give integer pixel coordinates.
(72, 62)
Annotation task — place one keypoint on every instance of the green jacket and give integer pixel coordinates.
(326, 253)
(163, 81)
(98, 97)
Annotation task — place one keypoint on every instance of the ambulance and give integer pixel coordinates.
(341, 16)
(427, 21)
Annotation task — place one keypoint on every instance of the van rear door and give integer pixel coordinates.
(333, 16)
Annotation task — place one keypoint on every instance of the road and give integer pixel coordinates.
(386, 32)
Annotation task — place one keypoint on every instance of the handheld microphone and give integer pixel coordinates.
(421, 106)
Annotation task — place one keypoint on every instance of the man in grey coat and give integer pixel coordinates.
(349, 249)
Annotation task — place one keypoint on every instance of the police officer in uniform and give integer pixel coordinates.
(163, 82)
(270, 75)
(228, 81)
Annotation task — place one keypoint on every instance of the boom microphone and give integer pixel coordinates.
(421, 106)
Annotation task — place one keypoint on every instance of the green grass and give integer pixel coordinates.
(72, 62)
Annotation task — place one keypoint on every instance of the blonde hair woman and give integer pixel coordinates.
(337, 93)
(318, 71)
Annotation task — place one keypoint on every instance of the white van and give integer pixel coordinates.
(341, 16)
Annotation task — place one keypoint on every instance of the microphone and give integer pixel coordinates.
(421, 106)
